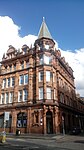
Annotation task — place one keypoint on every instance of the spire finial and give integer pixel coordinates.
(43, 19)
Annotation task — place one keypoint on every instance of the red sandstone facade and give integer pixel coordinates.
(37, 89)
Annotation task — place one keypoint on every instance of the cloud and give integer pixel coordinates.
(76, 61)
(9, 35)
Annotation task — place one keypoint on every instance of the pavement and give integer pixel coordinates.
(37, 136)
(58, 137)
(52, 141)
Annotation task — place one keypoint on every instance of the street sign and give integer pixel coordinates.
(6, 116)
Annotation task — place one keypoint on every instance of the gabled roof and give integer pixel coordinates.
(44, 32)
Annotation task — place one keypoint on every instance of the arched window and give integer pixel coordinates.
(22, 120)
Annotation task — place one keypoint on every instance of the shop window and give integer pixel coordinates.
(22, 120)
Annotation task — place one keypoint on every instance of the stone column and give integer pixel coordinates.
(44, 120)
(30, 87)
(54, 123)
(16, 88)
(44, 85)
(37, 80)
(14, 121)
(57, 119)
(29, 120)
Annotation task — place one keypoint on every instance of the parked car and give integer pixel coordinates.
(75, 131)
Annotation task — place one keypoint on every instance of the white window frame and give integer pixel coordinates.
(11, 97)
(4, 83)
(22, 65)
(12, 81)
(46, 46)
(46, 60)
(40, 76)
(2, 98)
(48, 76)
(41, 93)
(8, 82)
(61, 97)
(25, 95)
(20, 95)
(21, 79)
(7, 98)
(27, 64)
(25, 75)
(48, 92)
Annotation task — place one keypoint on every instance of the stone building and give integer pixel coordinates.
(37, 89)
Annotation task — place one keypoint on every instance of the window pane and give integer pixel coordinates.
(25, 78)
(48, 93)
(11, 97)
(25, 95)
(20, 96)
(22, 65)
(14, 66)
(8, 82)
(41, 76)
(27, 64)
(13, 81)
(10, 68)
(41, 60)
(40, 93)
(2, 98)
(7, 97)
(21, 79)
(4, 83)
(47, 75)
(46, 59)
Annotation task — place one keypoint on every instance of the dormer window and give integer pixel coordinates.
(10, 68)
(27, 64)
(45, 59)
(14, 67)
(47, 47)
(22, 65)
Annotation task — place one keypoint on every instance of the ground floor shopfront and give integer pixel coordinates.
(43, 119)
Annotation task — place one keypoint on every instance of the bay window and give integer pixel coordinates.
(40, 76)
(20, 96)
(41, 93)
(25, 95)
(48, 91)
(48, 75)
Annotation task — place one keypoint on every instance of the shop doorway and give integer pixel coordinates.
(49, 122)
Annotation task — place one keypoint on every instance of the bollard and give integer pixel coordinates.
(3, 137)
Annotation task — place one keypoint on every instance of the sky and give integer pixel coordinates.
(20, 21)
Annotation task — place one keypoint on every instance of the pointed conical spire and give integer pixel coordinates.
(44, 32)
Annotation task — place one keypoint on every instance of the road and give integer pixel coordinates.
(44, 143)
